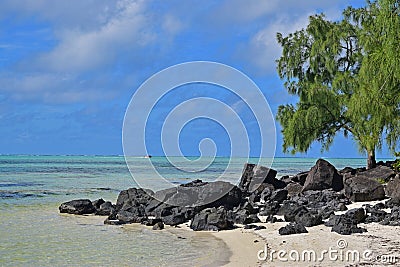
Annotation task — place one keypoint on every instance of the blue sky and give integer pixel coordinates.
(69, 68)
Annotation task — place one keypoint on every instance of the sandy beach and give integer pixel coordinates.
(377, 247)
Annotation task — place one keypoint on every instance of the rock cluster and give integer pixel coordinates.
(304, 200)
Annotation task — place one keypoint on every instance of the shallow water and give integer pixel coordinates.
(32, 232)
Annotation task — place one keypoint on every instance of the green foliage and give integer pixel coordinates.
(396, 165)
(346, 75)
(381, 181)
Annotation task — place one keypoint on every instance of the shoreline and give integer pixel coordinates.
(380, 240)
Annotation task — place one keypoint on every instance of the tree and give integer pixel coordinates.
(335, 70)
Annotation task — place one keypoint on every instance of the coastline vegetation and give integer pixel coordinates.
(346, 75)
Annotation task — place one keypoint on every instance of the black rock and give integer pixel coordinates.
(323, 176)
(174, 219)
(348, 170)
(211, 219)
(393, 187)
(289, 209)
(270, 208)
(158, 226)
(393, 218)
(254, 175)
(244, 217)
(393, 202)
(345, 226)
(132, 215)
(307, 218)
(266, 193)
(250, 208)
(292, 228)
(300, 178)
(356, 215)
(79, 207)
(279, 195)
(212, 194)
(378, 173)
(133, 197)
(105, 209)
(360, 188)
(97, 203)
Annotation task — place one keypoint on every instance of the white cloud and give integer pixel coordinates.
(262, 49)
(80, 50)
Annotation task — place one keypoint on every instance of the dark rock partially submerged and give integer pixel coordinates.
(78, 207)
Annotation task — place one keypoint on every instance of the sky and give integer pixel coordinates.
(68, 69)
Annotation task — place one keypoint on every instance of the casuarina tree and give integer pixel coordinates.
(346, 76)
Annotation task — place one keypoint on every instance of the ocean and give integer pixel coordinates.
(33, 232)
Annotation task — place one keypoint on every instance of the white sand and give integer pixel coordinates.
(379, 240)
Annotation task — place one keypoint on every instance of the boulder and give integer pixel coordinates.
(292, 228)
(393, 187)
(78, 206)
(131, 215)
(382, 173)
(289, 209)
(323, 176)
(212, 194)
(345, 226)
(211, 219)
(356, 215)
(359, 188)
(254, 175)
(308, 218)
(174, 219)
(133, 197)
(244, 217)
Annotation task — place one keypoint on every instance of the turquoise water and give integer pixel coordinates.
(32, 232)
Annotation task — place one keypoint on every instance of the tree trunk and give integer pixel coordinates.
(371, 161)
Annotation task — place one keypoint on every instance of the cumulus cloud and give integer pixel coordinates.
(94, 42)
(80, 50)
(262, 49)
